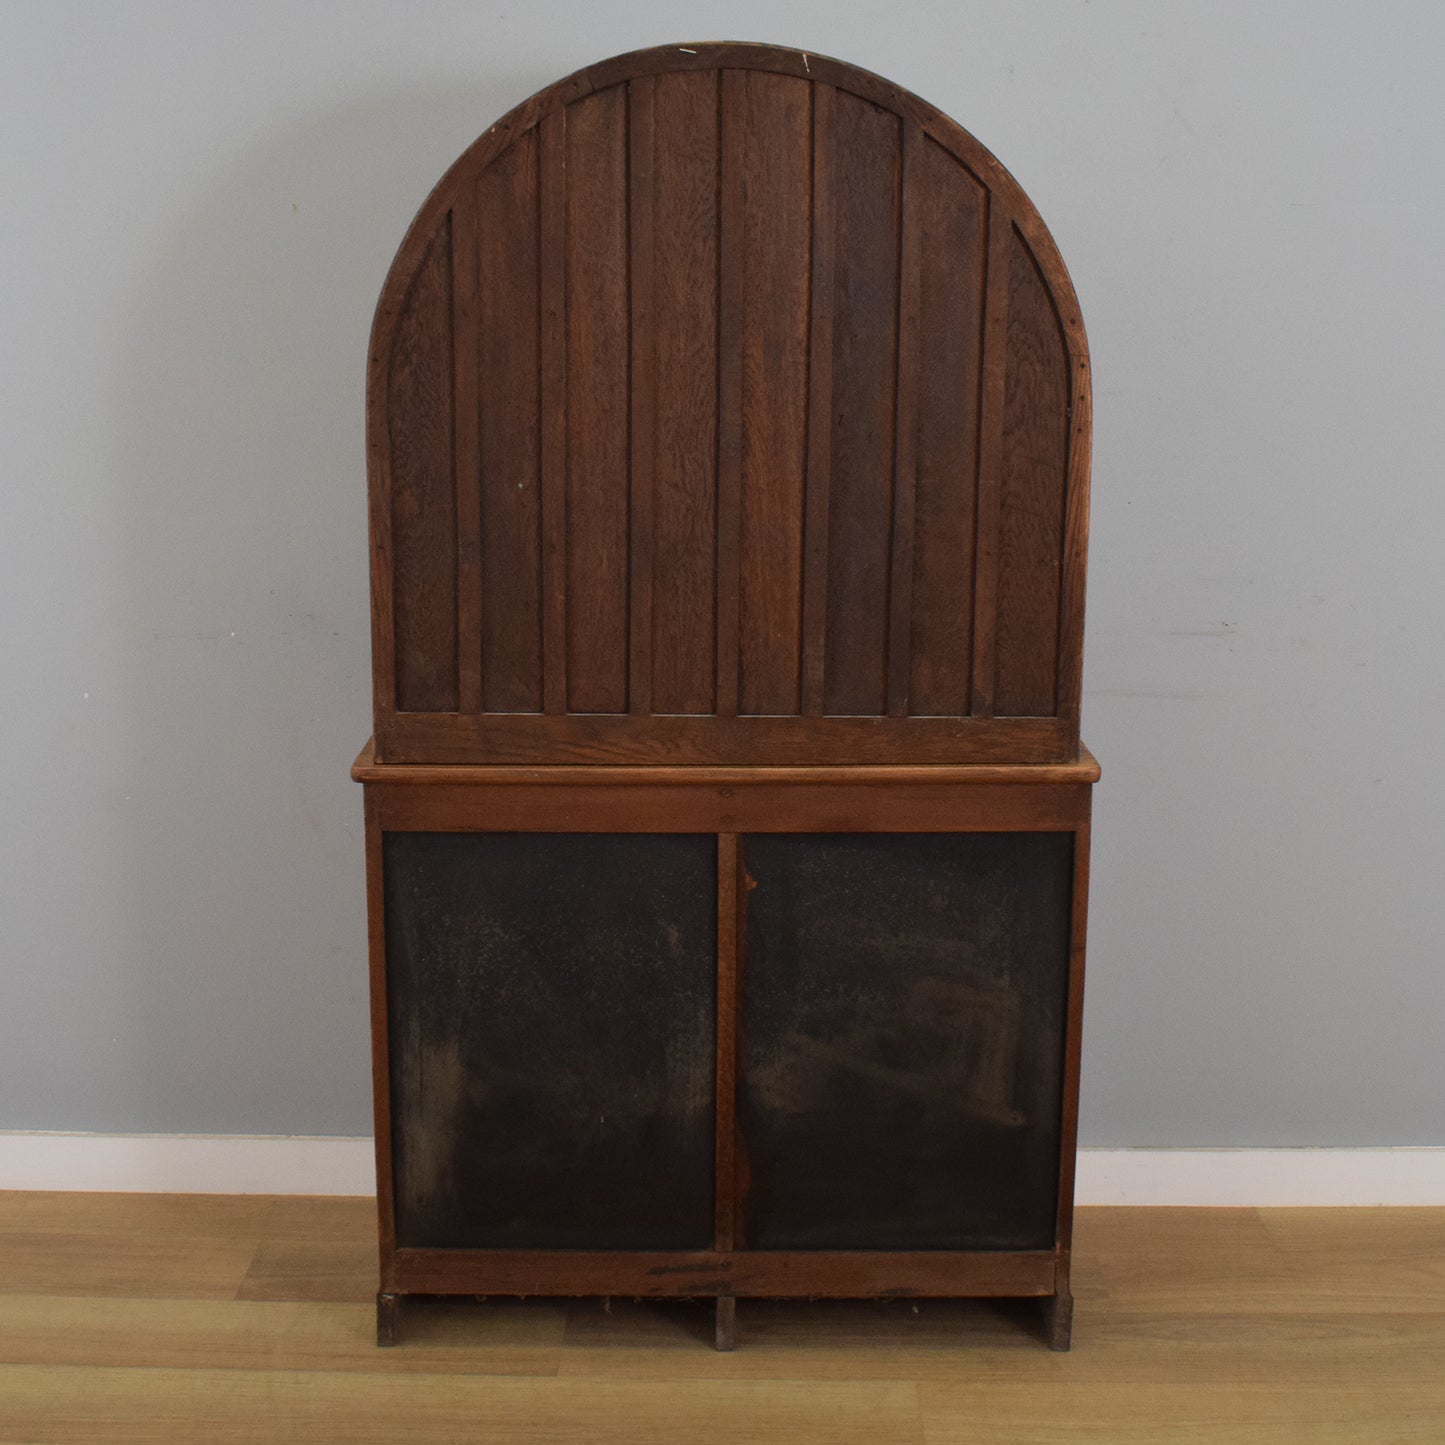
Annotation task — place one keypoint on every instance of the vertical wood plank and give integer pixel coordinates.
(1031, 506)
(420, 399)
(865, 342)
(641, 198)
(380, 1053)
(685, 317)
(990, 457)
(729, 943)
(598, 407)
(1073, 1045)
(552, 228)
(776, 238)
(953, 226)
(1076, 531)
(905, 411)
(733, 100)
(820, 406)
(466, 449)
(511, 421)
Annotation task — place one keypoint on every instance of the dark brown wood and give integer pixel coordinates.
(1059, 1320)
(906, 407)
(729, 943)
(641, 331)
(552, 347)
(1073, 1039)
(693, 394)
(596, 307)
(466, 449)
(380, 1047)
(685, 373)
(422, 502)
(951, 209)
(990, 462)
(824, 1274)
(509, 406)
(776, 216)
(784, 808)
(1033, 472)
(820, 408)
(732, 185)
(388, 1319)
(600, 738)
(727, 823)
(725, 1329)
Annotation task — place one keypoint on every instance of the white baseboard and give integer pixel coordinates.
(188, 1163)
(273, 1164)
(1261, 1177)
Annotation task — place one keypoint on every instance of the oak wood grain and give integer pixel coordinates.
(756, 437)
(1314, 1325)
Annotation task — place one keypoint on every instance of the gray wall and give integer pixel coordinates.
(200, 202)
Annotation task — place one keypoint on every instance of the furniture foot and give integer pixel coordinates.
(727, 1314)
(388, 1318)
(1059, 1319)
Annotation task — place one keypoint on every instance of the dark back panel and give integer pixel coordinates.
(902, 1024)
(715, 390)
(550, 1012)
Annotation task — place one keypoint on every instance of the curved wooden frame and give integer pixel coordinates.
(556, 732)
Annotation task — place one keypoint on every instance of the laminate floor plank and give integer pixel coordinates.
(164, 1318)
(509, 1337)
(1356, 1413)
(130, 1406)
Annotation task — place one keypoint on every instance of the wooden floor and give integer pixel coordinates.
(196, 1318)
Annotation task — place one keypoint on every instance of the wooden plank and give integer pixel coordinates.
(685, 318)
(953, 221)
(284, 1336)
(776, 237)
(157, 1407)
(642, 383)
(1073, 1045)
(423, 502)
(511, 429)
(865, 352)
(990, 459)
(817, 503)
(597, 404)
(826, 1274)
(718, 808)
(1031, 506)
(1076, 531)
(466, 449)
(905, 412)
(366, 769)
(729, 952)
(552, 346)
(380, 1048)
(731, 261)
(781, 741)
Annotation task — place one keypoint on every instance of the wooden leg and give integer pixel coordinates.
(388, 1318)
(727, 1314)
(1059, 1319)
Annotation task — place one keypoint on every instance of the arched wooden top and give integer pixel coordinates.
(727, 404)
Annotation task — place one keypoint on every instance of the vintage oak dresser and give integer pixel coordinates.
(727, 824)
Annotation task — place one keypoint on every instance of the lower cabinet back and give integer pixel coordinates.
(551, 1018)
(550, 1002)
(903, 1002)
